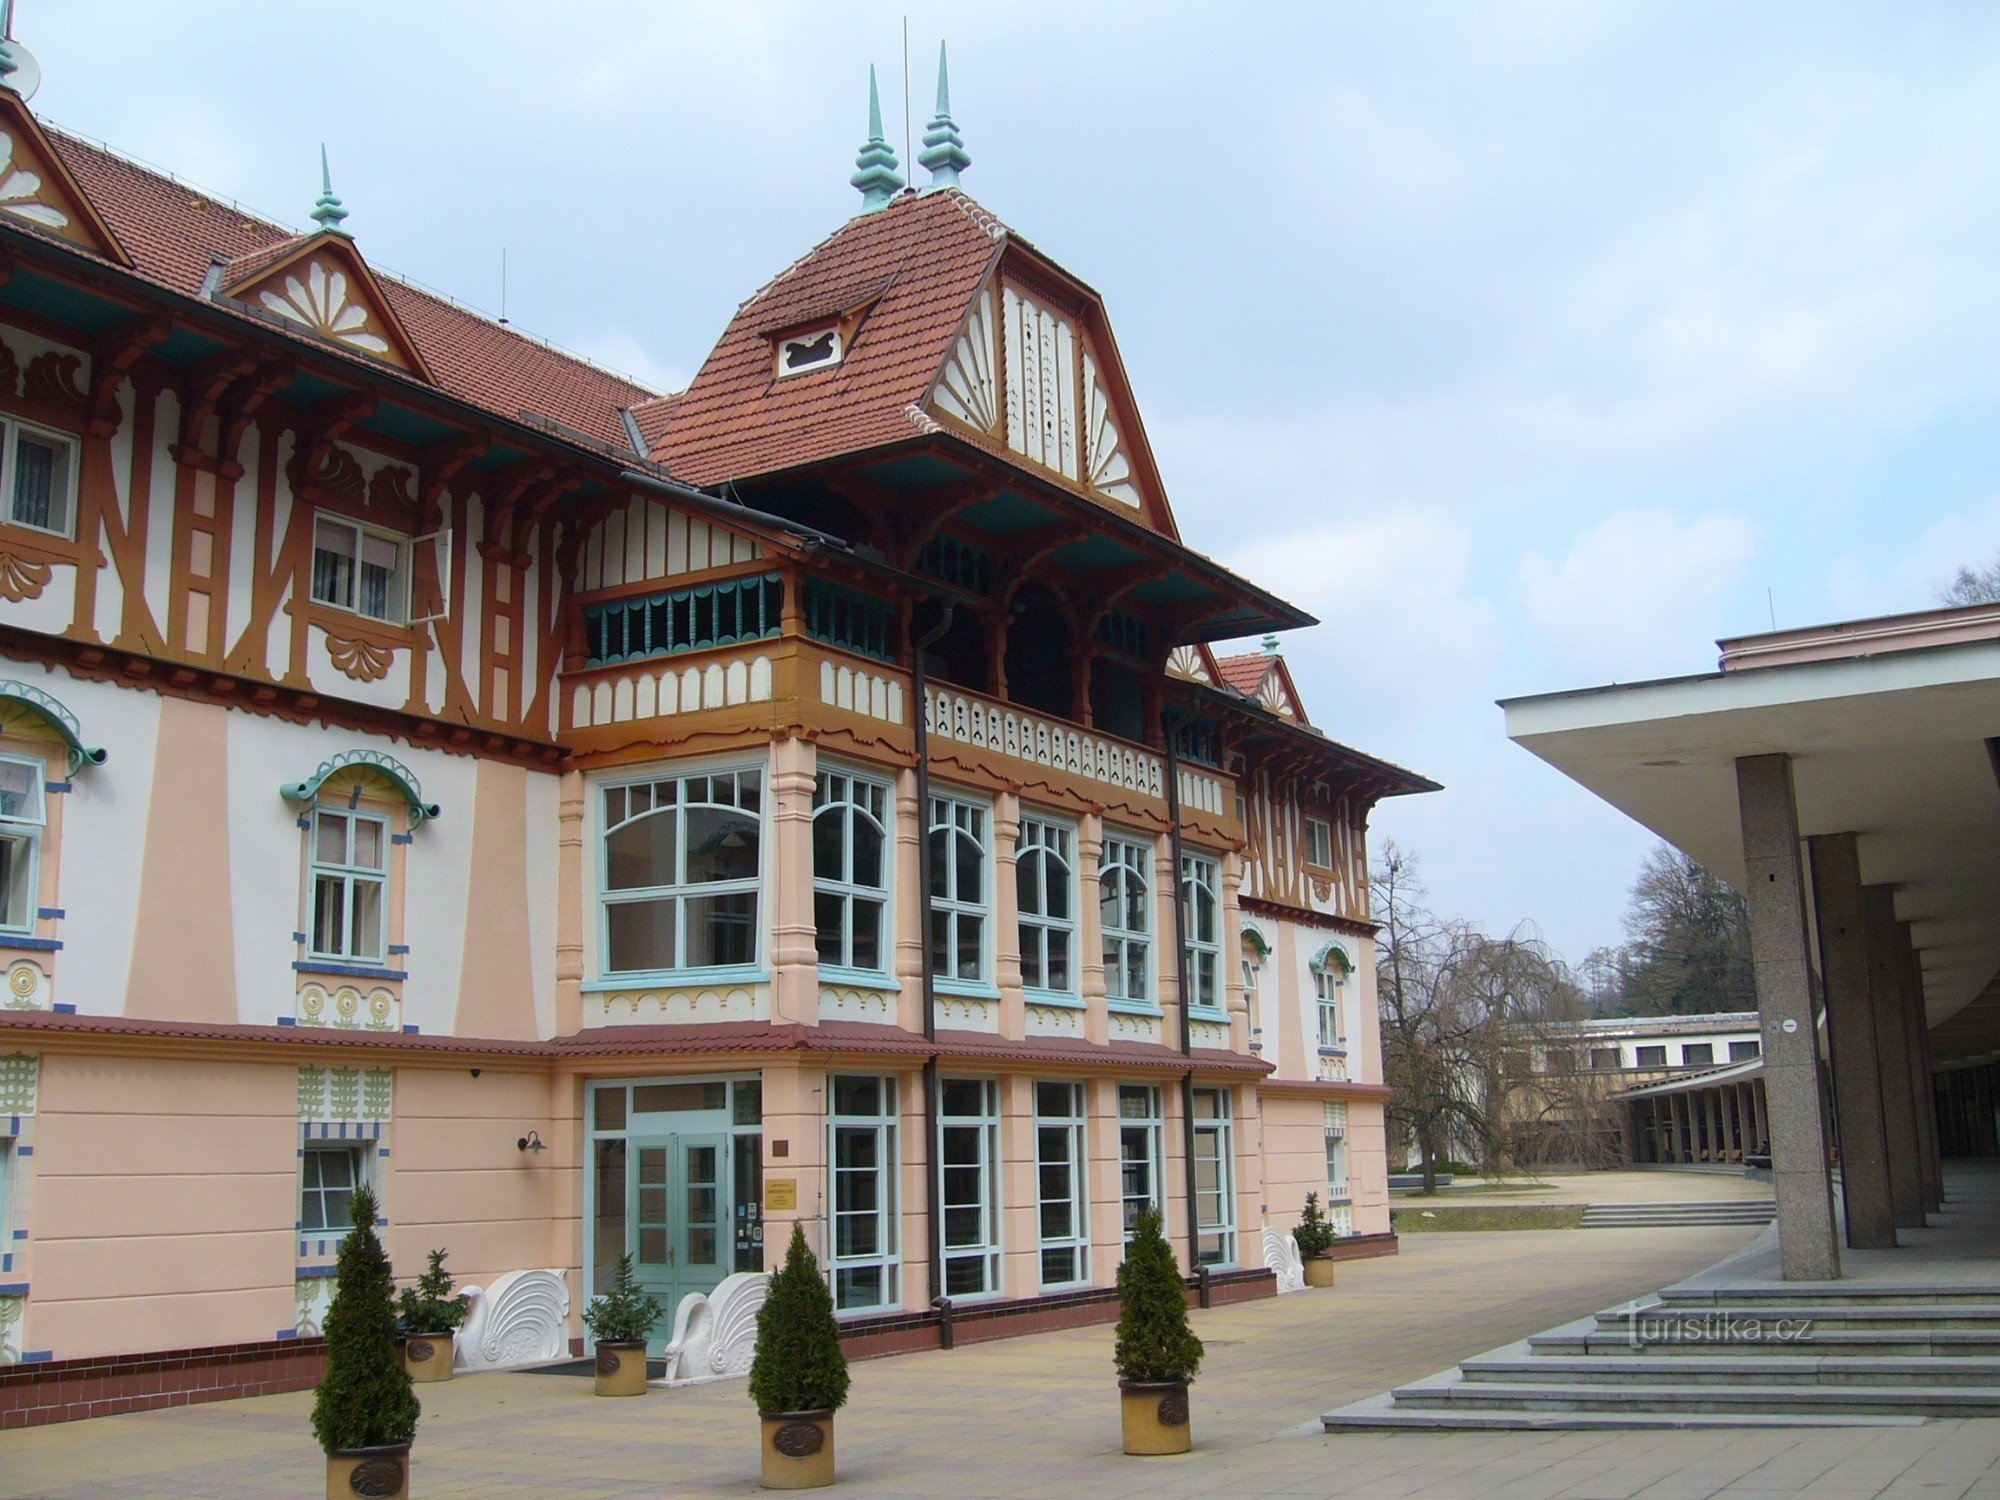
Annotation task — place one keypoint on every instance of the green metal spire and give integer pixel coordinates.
(327, 211)
(877, 177)
(943, 155)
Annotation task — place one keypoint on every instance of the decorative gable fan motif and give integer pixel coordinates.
(1188, 662)
(1274, 697)
(321, 285)
(1105, 466)
(36, 188)
(1041, 383)
(966, 388)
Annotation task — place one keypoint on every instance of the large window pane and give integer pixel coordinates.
(639, 935)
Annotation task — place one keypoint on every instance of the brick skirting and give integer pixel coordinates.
(61, 1390)
(1364, 1247)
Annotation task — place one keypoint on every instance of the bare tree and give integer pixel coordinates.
(1973, 586)
(1690, 940)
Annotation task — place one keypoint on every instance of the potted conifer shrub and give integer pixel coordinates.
(1315, 1238)
(364, 1413)
(620, 1321)
(1157, 1354)
(799, 1376)
(430, 1313)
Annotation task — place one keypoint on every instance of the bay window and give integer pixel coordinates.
(1045, 880)
(851, 871)
(349, 869)
(969, 1185)
(23, 816)
(1201, 894)
(959, 896)
(862, 1150)
(1064, 1223)
(1125, 911)
(1214, 1178)
(682, 871)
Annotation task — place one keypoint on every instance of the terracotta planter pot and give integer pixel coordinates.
(621, 1369)
(798, 1449)
(369, 1473)
(1155, 1417)
(1319, 1271)
(427, 1356)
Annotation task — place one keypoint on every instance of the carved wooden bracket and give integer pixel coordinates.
(111, 362)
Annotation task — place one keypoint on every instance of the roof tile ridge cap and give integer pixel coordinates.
(62, 135)
(792, 269)
(984, 217)
(922, 420)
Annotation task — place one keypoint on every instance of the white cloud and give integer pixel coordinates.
(1638, 593)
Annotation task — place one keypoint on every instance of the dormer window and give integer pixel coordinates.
(813, 349)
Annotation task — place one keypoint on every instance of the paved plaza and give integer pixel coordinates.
(1038, 1416)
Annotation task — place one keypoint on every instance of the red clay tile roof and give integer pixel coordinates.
(932, 251)
(1245, 674)
(173, 232)
(653, 416)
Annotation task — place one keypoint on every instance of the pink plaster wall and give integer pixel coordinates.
(183, 951)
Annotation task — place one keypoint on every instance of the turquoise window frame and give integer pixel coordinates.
(1123, 859)
(844, 888)
(1043, 841)
(883, 1126)
(349, 874)
(28, 828)
(1073, 1124)
(680, 891)
(956, 911)
(1201, 896)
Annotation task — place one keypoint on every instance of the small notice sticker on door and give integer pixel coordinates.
(781, 1194)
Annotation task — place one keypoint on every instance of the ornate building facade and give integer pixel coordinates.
(606, 821)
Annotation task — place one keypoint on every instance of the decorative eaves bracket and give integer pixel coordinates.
(385, 767)
(56, 717)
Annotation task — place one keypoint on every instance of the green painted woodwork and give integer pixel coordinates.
(943, 155)
(1125, 632)
(327, 212)
(876, 175)
(958, 563)
(689, 619)
(385, 768)
(852, 621)
(25, 698)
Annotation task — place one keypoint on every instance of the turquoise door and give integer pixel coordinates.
(679, 1194)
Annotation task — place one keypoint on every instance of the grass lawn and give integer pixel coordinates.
(1470, 1189)
(1448, 1220)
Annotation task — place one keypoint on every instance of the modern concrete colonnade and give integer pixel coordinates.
(1689, 1122)
(1883, 1106)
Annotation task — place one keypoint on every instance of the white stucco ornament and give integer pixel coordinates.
(521, 1319)
(1281, 1257)
(716, 1336)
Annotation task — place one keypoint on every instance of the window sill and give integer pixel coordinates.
(1057, 999)
(346, 971)
(1133, 1008)
(965, 990)
(1333, 1052)
(22, 940)
(1204, 1013)
(858, 979)
(675, 979)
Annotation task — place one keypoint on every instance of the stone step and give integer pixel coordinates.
(1832, 1343)
(1641, 1368)
(1774, 1322)
(1812, 1293)
(1379, 1413)
(1765, 1400)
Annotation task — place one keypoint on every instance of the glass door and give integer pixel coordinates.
(679, 1196)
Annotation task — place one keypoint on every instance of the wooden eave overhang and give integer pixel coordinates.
(1373, 777)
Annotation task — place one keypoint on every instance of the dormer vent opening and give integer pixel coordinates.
(810, 349)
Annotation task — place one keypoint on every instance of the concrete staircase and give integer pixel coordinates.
(1750, 1211)
(1819, 1354)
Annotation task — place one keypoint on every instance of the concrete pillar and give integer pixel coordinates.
(1888, 979)
(1922, 1086)
(1808, 1245)
(794, 935)
(1850, 1027)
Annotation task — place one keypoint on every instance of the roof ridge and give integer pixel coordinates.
(382, 273)
(988, 221)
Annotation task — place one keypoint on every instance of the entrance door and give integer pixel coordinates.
(679, 1194)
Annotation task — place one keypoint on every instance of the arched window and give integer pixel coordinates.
(1044, 881)
(681, 871)
(1330, 971)
(958, 890)
(851, 871)
(1255, 951)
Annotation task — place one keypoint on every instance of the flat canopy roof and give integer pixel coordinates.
(1896, 747)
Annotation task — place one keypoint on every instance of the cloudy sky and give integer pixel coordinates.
(1529, 345)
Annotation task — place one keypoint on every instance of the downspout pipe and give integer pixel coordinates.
(926, 969)
(1169, 724)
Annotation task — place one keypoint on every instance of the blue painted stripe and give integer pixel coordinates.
(64, 1010)
(38, 1357)
(399, 838)
(399, 948)
(20, 1234)
(13, 1288)
(46, 945)
(288, 1333)
(311, 1273)
(24, 1150)
(58, 787)
(298, 937)
(344, 971)
(288, 1020)
(52, 913)
(412, 1031)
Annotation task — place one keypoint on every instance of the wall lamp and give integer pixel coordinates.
(530, 1142)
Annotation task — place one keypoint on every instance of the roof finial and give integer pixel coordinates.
(877, 177)
(943, 155)
(327, 211)
(1270, 645)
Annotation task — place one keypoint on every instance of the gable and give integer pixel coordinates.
(1280, 694)
(1193, 663)
(321, 285)
(1033, 371)
(36, 187)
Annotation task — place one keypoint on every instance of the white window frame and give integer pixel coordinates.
(349, 876)
(1201, 894)
(1338, 1183)
(363, 1154)
(1063, 1128)
(1330, 995)
(1127, 862)
(1215, 1208)
(73, 453)
(1047, 848)
(854, 799)
(1148, 1127)
(883, 1126)
(27, 827)
(397, 605)
(954, 822)
(981, 1250)
(680, 892)
(1319, 843)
